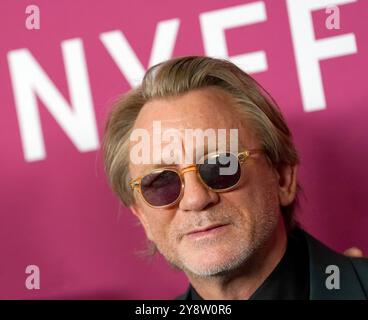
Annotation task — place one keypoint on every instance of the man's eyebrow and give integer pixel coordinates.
(162, 165)
(206, 151)
(155, 166)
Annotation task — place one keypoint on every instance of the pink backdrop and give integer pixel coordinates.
(56, 209)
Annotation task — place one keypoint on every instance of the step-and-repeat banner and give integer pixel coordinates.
(62, 63)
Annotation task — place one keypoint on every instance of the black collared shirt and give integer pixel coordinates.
(289, 280)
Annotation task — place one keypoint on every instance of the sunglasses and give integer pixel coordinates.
(164, 187)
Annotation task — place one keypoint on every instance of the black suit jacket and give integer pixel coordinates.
(353, 273)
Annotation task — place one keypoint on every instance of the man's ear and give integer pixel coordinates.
(137, 211)
(287, 183)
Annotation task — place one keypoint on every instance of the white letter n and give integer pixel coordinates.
(30, 81)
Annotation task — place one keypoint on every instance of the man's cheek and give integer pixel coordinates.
(159, 232)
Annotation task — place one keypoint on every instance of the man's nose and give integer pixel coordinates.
(196, 196)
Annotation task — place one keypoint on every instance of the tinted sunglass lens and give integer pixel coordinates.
(220, 171)
(161, 188)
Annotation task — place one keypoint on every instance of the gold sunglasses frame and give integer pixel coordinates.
(135, 184)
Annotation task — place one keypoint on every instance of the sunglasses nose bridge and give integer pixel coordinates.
(188, 169)
(191, 168)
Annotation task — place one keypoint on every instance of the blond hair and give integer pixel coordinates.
(180, 75)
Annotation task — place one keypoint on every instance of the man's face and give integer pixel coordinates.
(237, 222)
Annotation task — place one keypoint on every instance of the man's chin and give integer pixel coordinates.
(212, 262)
(208, 269)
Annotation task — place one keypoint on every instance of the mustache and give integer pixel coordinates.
(202, 219)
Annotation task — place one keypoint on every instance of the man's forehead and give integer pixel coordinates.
(192, 109)
(208, 136)
(181, 120)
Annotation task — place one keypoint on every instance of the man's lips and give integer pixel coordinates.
(212, 229)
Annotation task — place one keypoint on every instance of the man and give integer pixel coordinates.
(233, 234)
